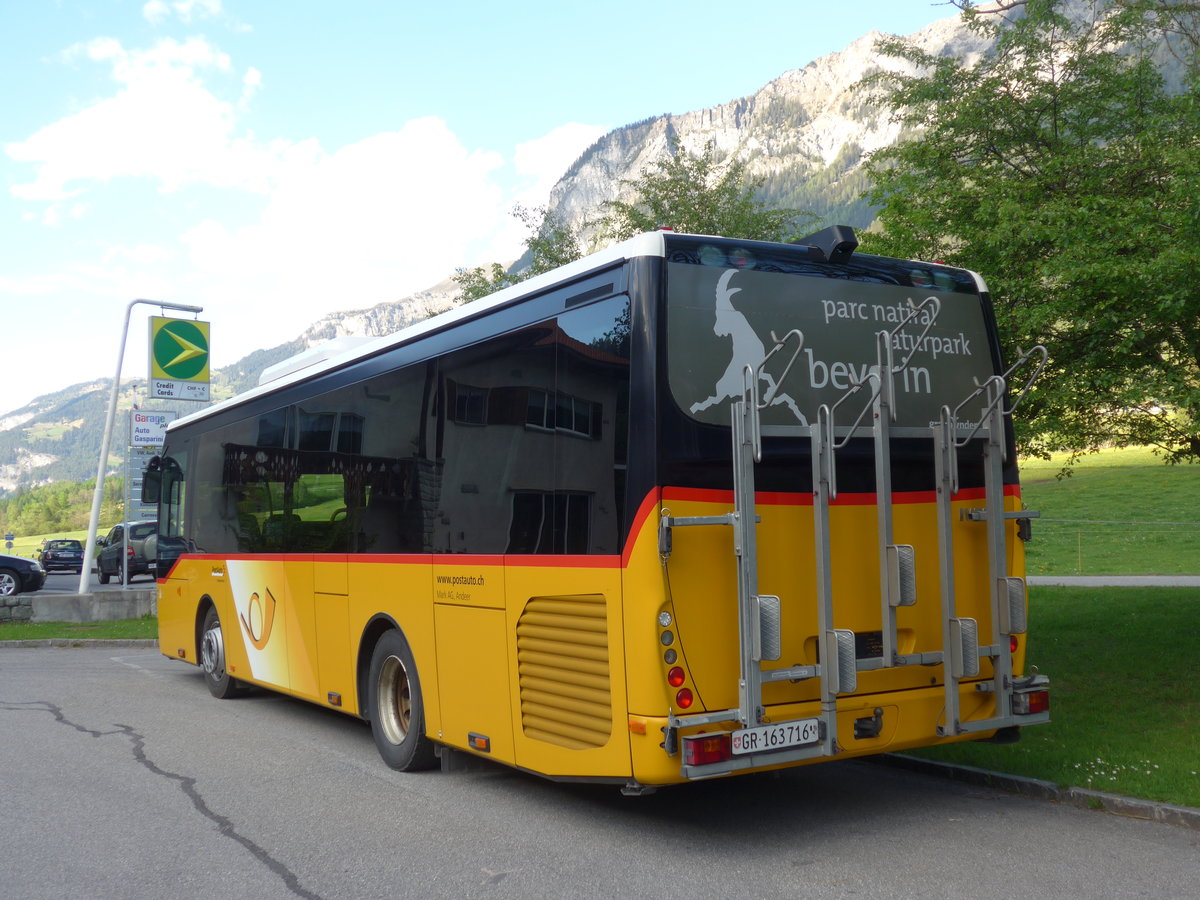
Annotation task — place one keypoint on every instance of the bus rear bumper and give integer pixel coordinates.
(866, 725)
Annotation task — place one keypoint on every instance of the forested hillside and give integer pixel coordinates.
(61, 506)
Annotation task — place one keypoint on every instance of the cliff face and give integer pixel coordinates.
(805, 134)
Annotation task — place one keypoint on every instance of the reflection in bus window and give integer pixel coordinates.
(463, 454)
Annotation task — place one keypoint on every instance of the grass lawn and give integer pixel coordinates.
(1121, 512)
(29, 545)
(121, 629)
(1124, 704)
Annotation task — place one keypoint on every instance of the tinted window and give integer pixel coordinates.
(545, 472)
(513, 445)
(720, 320)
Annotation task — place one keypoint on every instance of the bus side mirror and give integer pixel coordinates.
(151, 485)
(151, 480)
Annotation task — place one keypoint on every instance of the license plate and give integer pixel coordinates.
(765, 738)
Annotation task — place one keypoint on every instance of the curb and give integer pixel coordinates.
(1083, 798)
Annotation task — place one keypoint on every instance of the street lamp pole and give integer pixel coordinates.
(106, 441)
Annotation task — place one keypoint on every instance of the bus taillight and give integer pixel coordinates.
(701, 749)
(676, 677)
(684, 698)
(1031, 702)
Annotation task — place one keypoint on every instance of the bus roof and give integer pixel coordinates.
(320, 360)
(647, 244)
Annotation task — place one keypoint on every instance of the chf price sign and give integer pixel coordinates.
(179, 359)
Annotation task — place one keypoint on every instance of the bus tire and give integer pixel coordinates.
(396, 708)
(220, 683)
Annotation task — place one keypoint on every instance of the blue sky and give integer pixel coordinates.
(275, 161)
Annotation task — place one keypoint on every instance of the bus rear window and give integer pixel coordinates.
(720, 320)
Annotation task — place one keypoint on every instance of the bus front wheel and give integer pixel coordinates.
(397, 711)
(212, 658)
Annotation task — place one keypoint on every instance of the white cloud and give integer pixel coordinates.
(164, 124)
(386, 215)
(325, 228)
(545, 159)
(538, 164)
(158, 11)
(251, 83)
(138, 254)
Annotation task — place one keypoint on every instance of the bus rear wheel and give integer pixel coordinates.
(396, 707)
(212, 658)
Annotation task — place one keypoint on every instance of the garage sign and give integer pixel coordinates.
(148, 428)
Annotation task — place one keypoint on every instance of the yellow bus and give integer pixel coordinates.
(687, 507)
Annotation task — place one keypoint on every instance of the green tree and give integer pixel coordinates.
(59, 506)
(1061, 168)
(683, 191)
(549, 244)
(698, 194)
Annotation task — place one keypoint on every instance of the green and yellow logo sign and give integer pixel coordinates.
(178, 349)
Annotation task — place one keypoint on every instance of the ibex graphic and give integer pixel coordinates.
(748, 350)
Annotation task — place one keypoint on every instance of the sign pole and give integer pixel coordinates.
(105, 442)
(125, 519)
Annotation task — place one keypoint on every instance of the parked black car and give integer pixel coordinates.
(61, 555)
(108, 563)
(162, 552)
(19, 574)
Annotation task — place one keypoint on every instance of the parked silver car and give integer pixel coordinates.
(113, 545)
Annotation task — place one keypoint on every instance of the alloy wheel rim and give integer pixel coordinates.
(212, 653)
(395, 700)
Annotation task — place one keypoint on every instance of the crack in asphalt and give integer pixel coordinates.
(186, 784)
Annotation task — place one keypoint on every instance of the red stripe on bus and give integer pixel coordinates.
(649, 504)
(564, 562)
(422, 559)
(600, 561)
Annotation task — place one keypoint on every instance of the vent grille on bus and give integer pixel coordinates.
(562, 666)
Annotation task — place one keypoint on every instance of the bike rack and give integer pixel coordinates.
(759, 615)
(960, 636)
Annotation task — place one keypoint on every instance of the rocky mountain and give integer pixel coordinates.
(383, 318)
(805, 134)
